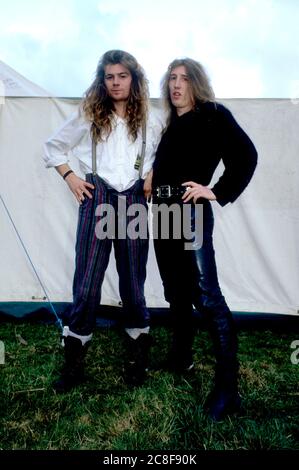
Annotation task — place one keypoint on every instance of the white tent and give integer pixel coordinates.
(14, 84)
(256, 238)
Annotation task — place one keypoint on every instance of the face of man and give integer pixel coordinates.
(180, 90)
(118, 81)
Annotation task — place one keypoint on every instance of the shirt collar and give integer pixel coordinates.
(117, 119)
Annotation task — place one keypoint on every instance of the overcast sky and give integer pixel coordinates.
(250, 48)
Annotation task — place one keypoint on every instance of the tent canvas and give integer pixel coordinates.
(256, 238)
(14, 84)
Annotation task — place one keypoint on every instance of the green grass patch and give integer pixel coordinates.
(164, 414)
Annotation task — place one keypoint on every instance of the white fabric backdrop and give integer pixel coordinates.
(14, 84)
(256, 238)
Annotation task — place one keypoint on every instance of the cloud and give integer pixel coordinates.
(249, 47)
(45, 22)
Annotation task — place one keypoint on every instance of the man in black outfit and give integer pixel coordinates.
(199, 133)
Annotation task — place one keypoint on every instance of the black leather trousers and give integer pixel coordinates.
(190, 279)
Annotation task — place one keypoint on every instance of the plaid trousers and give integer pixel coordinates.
(92, 257)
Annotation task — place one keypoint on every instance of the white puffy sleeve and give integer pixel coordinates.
(57, 147)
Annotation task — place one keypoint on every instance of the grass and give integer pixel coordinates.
(166, 413)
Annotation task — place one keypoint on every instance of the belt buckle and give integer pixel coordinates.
(162, 188)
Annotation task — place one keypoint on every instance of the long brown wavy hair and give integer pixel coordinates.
(199, 82)
(98, 106)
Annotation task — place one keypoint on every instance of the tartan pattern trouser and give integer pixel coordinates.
(92, 257)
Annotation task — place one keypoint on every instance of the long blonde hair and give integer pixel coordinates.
(198, 80)
(98, 106)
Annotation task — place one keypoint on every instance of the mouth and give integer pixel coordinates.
(176, 94)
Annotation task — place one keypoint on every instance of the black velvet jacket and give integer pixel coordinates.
(193, 145)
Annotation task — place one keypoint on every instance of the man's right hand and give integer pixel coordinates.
(79, 187)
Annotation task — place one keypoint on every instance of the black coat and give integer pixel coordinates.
(193, 145)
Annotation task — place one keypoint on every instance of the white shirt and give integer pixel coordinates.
(116, 155)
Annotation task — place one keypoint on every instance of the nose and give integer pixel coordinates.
(177, 83)
(115, 81)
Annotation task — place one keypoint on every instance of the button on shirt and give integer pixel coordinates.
(116, 154)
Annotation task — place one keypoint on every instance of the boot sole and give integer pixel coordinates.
(230, 409)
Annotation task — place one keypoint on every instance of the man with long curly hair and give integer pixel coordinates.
(114, 135)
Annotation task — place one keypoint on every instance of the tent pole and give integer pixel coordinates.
(59, 322)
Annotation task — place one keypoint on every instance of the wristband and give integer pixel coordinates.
(67, 173)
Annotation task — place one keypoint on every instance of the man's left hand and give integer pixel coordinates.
(196, 191)
(147, 186)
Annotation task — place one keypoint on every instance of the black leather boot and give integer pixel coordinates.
(224, 398)
(72, 373)
(180, 357)
(136, 364)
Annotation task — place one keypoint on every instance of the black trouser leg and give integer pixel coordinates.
(209, 299)
(175, 277)
(190, 277)
(183, 328)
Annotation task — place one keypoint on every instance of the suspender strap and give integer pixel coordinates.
(94, 157)
(142, 150)
(94, 153)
